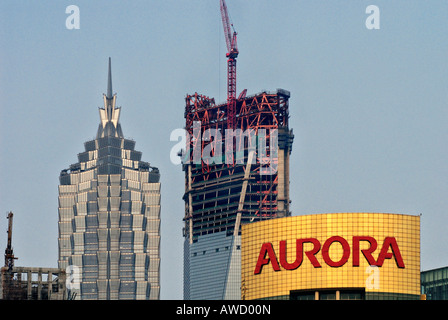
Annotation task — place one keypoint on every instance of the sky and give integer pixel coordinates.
(368, 107)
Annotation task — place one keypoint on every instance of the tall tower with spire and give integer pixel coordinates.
(109, 216)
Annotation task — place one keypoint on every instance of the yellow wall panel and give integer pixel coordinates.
(400, 232)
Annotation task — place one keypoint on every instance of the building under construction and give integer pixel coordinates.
(236, 188)
(236, 164)
(232, 177)
(25, 283)
(28, 283)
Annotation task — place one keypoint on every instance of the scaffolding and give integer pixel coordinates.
(235, 188)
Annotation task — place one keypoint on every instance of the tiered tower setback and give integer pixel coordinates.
(109, 216)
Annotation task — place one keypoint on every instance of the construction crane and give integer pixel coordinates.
(232, 54)
(9, 255)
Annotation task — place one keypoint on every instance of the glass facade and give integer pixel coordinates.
(109, 216)
(435, 284)
(332, 256)
(214, 268)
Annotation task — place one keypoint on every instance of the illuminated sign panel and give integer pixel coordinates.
(331, 251)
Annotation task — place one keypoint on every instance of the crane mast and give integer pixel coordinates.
(9, 255)
(232, 54)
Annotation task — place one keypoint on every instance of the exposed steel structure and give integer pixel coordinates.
(221, 195)
(223, 191)
(236, 164)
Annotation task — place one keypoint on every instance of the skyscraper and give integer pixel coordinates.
(233, 176)
(109, 216)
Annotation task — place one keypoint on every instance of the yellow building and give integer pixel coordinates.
(332, 256)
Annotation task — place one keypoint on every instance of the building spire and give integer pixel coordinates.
(109, 82)
(109, 114)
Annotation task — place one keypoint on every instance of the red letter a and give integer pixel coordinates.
(384, 254)
(266, 248)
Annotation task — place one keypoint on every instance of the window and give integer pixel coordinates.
(126, 221)
(327, 295)
(303, 296)
(352, 295)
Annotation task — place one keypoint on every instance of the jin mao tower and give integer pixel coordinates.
(109, 216)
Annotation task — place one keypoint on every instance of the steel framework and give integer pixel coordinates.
(221, 195)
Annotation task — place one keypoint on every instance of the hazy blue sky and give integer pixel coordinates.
(368, 107)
